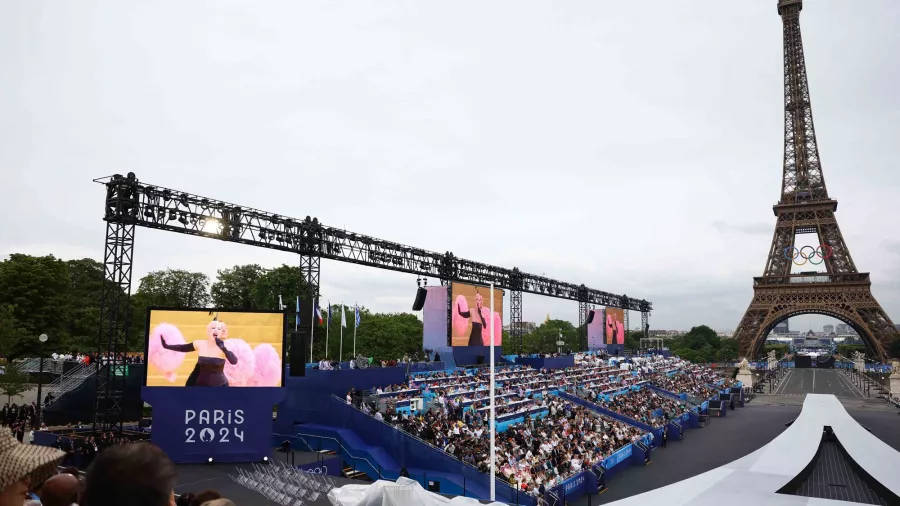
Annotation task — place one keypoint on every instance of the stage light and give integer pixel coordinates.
(172, 214)
(210, 225)
(265, 459)
(209, 460)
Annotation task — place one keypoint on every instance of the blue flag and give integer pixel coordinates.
(357, 316)
(297, 316)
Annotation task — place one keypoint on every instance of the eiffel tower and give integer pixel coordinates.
(840, 291)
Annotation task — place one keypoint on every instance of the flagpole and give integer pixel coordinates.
(355, 324)
(343, 319)
(312, 329)
(327, 327)
(493, 412)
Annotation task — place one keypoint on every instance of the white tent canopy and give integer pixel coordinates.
(402, 493)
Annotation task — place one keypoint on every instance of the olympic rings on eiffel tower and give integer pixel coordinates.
(823, 252)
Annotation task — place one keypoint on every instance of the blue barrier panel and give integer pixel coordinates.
(476, 355)
(394, 449)
(704, 407)
(331, 466)
(618, 457)
(548, 363)
(307, 399)
(426, 366)
(227, 424)
(572, 488)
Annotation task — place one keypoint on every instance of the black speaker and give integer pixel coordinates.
(299, 352)
(420, 299)
(479, 360)
(590, 316)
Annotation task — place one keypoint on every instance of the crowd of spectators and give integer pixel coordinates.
(644, 406)
(536, 454)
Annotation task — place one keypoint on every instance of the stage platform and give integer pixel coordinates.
(756, 478)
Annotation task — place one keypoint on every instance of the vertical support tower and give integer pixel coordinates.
(115, 301)
(516, 329)
(830, 285)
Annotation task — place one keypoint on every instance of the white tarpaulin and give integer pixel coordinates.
(402, 493)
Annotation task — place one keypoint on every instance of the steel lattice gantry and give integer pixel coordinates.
(841, 291)
(131, 203)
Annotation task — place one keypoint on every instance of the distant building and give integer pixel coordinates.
(828, 329)
(782, 328)
(842, 329)
(526, 327)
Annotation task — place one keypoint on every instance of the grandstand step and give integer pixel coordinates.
(349, 472)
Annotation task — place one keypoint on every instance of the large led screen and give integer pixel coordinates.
(596, 331)
(471, 315)
(615, 326)
(208, 348)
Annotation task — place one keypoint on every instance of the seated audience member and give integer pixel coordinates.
(137, 474)
(205, 497)
(218, 502)
(60, 490)
(23, 468)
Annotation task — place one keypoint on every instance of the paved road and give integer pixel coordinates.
(817, 381)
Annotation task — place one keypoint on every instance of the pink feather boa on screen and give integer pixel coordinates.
(460, 323)
(166, 361)
(239, 374)
(268, 367)
(498, 330)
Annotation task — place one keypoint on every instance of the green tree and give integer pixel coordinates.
(175, 288)
(86, 279)
(543, 339)
(168, 288)
(384, 336)
(13, 341)
(286, 281)
(13, 382)
(233, 287)
(38, 290)
(633, 339)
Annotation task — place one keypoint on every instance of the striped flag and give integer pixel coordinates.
(318, 313)
(343, 317)
(357, 315)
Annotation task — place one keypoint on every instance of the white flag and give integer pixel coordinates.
(343, 317)
(280, 304)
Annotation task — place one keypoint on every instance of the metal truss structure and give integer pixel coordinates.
(131, 203)
(805, 208)
(115, 304)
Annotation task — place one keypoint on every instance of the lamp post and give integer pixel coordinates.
(40, 402)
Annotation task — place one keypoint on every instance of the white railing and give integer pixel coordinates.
(70, 380)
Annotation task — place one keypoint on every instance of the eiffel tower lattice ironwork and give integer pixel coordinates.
(805, 208)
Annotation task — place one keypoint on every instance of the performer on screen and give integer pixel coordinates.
(612, 329)
(210, 368)
(478, 320)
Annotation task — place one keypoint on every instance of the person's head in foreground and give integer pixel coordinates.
(23, 468)
(137, 475)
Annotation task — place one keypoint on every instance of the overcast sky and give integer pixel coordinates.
(635, 147)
